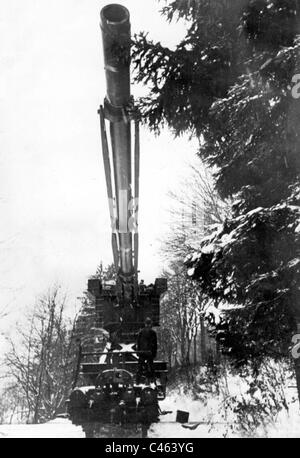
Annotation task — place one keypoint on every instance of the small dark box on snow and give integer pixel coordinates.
(182, 416)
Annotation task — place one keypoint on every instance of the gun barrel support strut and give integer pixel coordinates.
(115, 28)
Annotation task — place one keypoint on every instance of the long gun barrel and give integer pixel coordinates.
(121, 308)
(123, 198)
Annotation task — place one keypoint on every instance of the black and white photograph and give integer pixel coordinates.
(150, 221)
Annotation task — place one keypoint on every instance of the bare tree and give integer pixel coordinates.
(13, 407)
(195, 208)
(40, 359)
(181, 319)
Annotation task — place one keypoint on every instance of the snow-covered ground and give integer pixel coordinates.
(207, 417)
(213, 425)
(285, 426)
(59, 427)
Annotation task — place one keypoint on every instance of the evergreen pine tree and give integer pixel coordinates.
(229, 83)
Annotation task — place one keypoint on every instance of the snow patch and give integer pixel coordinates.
(208, 249)
(191, 271)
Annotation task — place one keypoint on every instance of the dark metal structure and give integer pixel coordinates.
(110, 394)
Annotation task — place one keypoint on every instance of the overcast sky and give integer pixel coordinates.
(54, 212)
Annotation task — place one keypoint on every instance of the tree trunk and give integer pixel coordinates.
(195, 348)
(202, 341)
(297, 363)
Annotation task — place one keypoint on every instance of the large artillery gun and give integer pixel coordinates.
(105, 390)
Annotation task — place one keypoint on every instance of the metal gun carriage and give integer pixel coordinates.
(105, 391)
